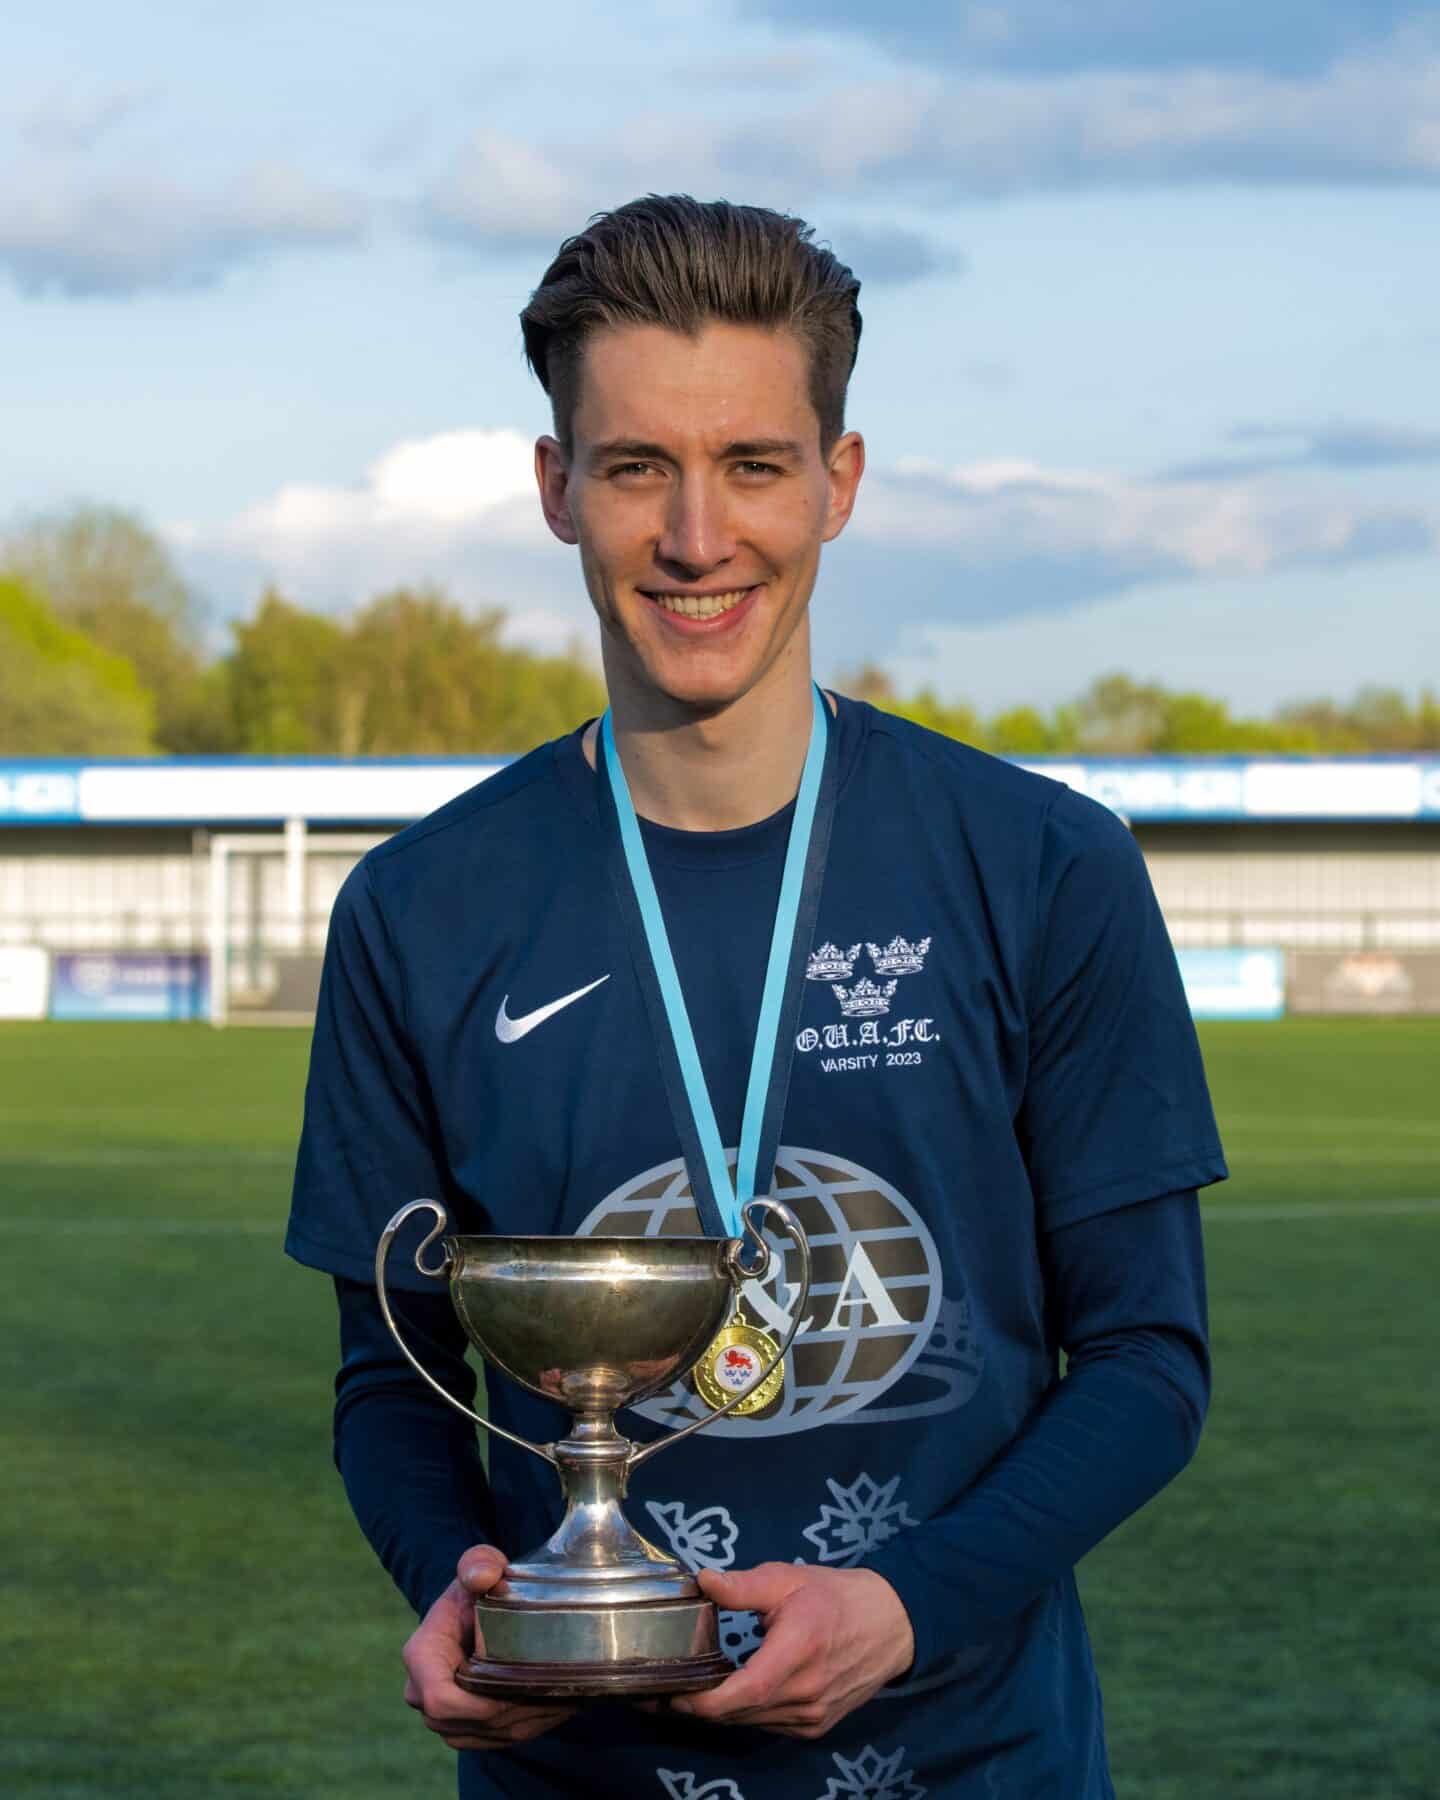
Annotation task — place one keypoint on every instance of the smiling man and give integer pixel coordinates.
(980, 1090)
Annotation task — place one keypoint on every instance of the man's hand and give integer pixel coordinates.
(833, 1637)
(437, 1647)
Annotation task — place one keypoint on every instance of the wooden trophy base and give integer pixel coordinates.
(593, 1681)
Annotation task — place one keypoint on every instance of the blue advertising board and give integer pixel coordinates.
(130, 984)
(34, 793)
(1162, 788)
(1234, 984)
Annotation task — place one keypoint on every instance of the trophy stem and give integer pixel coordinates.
(595, 1535)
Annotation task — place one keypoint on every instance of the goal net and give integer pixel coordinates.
(269, 910)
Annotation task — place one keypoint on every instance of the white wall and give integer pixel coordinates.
(1341, 887)
(1325, 887)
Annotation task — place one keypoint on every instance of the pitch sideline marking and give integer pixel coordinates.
(144, 1159)
(1389, 1209)
(1323, 1209)
(1271, 1122)
(1394, 1155)
(144, 1227)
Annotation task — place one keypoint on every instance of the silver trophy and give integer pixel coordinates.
(599, 1323)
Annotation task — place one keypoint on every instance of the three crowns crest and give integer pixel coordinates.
(899, 957)
(867, 999)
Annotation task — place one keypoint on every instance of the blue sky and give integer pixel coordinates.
(1149, 377)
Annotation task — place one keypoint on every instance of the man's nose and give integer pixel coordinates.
(697, 534)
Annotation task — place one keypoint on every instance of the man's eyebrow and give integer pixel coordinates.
(745, 449)
(630, 450)
(753, 449)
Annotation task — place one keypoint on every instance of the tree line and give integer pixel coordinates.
(103, 652)
(1118, 716)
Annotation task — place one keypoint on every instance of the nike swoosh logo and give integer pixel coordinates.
(510, 1031)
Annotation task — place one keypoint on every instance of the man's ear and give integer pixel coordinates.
(552, 476)
(844, 465)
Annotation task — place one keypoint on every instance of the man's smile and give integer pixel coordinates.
(700, 608)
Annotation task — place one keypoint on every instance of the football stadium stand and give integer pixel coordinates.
(201, 887)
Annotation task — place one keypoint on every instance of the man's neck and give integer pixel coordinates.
(721, 770)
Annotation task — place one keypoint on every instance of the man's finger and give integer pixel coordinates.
(431, 1688)
(508, 1723)
(480, 1568)
(759, 1590)
(430, 1666)
(444, 1702)
(761, 1683)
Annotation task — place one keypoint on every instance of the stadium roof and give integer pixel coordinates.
(262, 790)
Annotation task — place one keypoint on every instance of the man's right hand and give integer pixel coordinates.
(437, 1647)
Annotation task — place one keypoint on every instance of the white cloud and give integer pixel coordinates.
(936, 139)
(1285, 35)
(458, 510)
(81, 236)
(971, 545)
(67, 120)
(1372, 116)
(458, 481)
(504, 192)
(1340, 444)
(993, 514)
(778, 68)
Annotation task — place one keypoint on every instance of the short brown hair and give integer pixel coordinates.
(669, 260)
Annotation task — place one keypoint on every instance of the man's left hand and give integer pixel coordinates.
(833, 1637)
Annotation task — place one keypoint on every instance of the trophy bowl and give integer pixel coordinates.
(596, 1324)
(591, 1322)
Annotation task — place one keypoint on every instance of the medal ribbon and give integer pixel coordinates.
(719, 1199)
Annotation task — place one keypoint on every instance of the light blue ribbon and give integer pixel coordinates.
(729, 1196)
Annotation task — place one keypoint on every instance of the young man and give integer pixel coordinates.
(995, 1122)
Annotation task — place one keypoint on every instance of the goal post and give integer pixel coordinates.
(270, 895)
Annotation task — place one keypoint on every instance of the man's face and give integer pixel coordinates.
(699, 496)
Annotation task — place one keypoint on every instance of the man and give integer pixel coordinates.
(995, 1124)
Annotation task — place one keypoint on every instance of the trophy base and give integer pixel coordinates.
(580, 1652)
(593, 1681)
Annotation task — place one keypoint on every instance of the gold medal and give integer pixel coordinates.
(733, 1361)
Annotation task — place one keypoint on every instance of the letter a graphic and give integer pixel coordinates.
(860, 1271)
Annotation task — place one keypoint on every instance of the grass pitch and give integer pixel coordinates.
(190, 1610)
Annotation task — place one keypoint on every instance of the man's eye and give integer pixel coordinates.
(633, 468)
(749, 467)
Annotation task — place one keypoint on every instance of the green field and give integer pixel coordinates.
(190, 1611)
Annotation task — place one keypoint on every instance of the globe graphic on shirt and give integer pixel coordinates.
(876, 1311)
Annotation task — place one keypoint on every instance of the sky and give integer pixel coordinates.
(1150, 375)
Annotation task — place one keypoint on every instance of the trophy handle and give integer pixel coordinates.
(387, 1237)
(793, 1229)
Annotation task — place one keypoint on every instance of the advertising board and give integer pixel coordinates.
(1365, 981)
(24, 981)
(262, 790)
(33, 793)
(1228, 787)
(130, 984)
(1234, 984)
